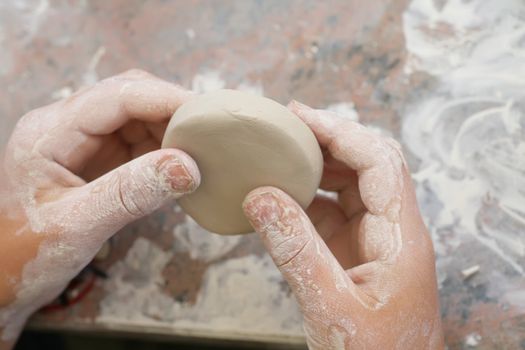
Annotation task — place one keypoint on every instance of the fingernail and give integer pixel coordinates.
(181, 173)
(299, 107)
(303, 111)
(262, 209)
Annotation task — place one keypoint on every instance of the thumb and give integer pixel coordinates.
(131, 191)
(294, 245)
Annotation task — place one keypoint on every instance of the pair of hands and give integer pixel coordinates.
(361, 267)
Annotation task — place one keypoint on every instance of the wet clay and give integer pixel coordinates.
(240, 142)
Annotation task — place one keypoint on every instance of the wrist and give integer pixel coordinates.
(10, 332)
(13, 317)
(12, 321)
(6, 345)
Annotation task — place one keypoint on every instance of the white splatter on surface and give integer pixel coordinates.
(344, 109)
(260, 304)
(207, 81)
(211, 80)
(472, 340)
(200, 243)
(467, 134)
(256, 89)
(190, 33)
(61, 93)
(31, 14)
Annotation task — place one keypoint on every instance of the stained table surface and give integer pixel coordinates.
(445, 78)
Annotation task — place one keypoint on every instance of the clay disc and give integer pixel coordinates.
(240, 142)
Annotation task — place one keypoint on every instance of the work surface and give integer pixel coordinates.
(445, 78)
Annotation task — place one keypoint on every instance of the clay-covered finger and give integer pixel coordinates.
(71, 131)
(129, 192)
(347, 141)
(378, 161)
(111, 103)
(298, 251)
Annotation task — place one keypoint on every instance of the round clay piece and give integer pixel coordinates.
(240, 142)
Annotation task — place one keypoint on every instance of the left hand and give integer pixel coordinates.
(75, 172)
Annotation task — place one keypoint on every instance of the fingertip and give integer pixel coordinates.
(152, 99)
(191, 167)
(263, 206)
(298, 107)
(179, 170)
(320, 121)
(282, 224)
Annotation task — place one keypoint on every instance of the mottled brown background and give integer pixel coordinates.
(318, 52)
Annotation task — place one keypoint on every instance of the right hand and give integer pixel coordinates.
(361, 267)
